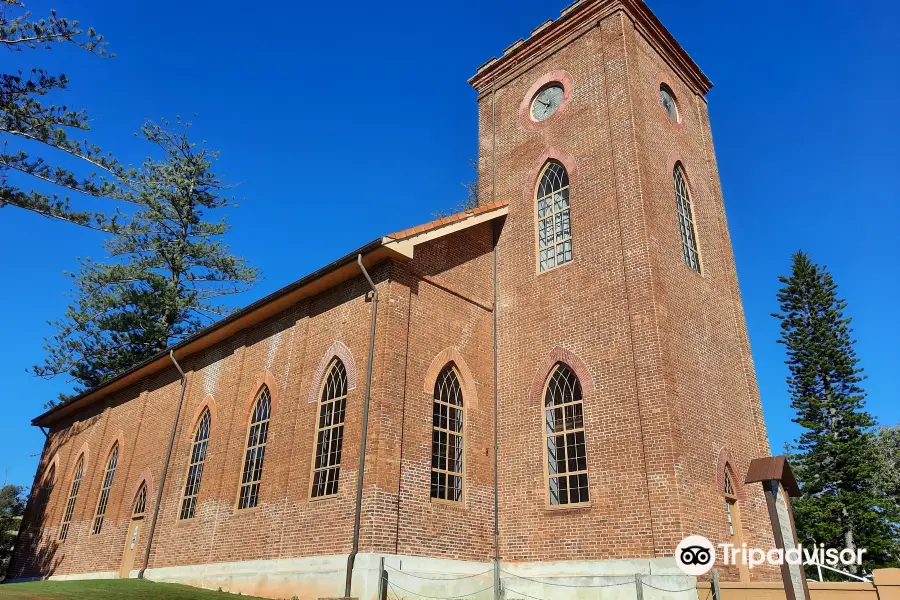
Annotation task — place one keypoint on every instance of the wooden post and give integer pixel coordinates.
(639, 586)
(777, 479)
(382, 580)
(716, 590)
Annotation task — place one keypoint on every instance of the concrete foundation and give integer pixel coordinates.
(413, 577)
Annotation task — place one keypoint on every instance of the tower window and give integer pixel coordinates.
(108, 476)
(330, 432)
(73, 496)
(447, 438)
(567, 476)
(733, 525)
(195, 468)
(730, 502)
(257, 437)
(686, 220)
(554, 222)
(668, 102)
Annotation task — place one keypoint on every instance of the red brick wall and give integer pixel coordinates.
(439, 300)
(449, 310)
(662, 352)
(667, 349)
(709, 370)
(581, 306)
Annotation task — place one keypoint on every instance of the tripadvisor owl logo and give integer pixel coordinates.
(695, 555)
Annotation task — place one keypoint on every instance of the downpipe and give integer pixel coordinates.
(351, 558)
(165, 468)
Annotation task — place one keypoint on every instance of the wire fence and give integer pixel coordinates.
(397, 585)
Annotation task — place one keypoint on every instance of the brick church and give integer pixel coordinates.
(557, 385)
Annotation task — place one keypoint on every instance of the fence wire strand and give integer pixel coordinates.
(567, 585)
(512, 591)
(665, 590)
(393, 587)
(453, 597)
(395, 570)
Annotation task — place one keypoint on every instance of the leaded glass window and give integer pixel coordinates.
(554, 220)
(668, 101)
(108, 476)
(140, 502)
(42, 498)
(567, 476)
(330, 432)
(730, 502)
(257, 436)
(686, 220)
(447, 438)
(73, 496)
(195, 468)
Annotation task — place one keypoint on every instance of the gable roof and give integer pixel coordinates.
(399, 245)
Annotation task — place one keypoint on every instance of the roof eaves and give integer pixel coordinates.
(365, 249)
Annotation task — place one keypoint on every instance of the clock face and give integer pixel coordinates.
(546, 102)
(668, 102)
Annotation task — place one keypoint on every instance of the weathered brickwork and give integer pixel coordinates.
(662, 355)
(667, 347)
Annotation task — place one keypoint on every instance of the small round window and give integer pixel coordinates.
(668, 102)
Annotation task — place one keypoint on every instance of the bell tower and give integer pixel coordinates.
(626, 387)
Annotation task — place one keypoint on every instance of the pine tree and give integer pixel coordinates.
(167, 269)
(12, 507)
(834, 455)
(887, 474)
(36, 135)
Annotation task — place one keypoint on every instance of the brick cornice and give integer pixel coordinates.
(577, 19)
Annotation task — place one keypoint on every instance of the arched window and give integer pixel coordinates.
(108, 476)
(42, 498)
(447, 437)
(44, 491)
(195, 468)
(140, 502)
(554, 223)
(734, 529)
(330, 432)
(730, 503)
(567, 477)
(686, 219)
(73, 496)
(256, 450)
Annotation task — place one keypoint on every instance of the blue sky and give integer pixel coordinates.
(371, 98)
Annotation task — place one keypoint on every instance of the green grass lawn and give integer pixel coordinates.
(109, 589)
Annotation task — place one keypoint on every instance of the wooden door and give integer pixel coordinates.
(131, 547)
